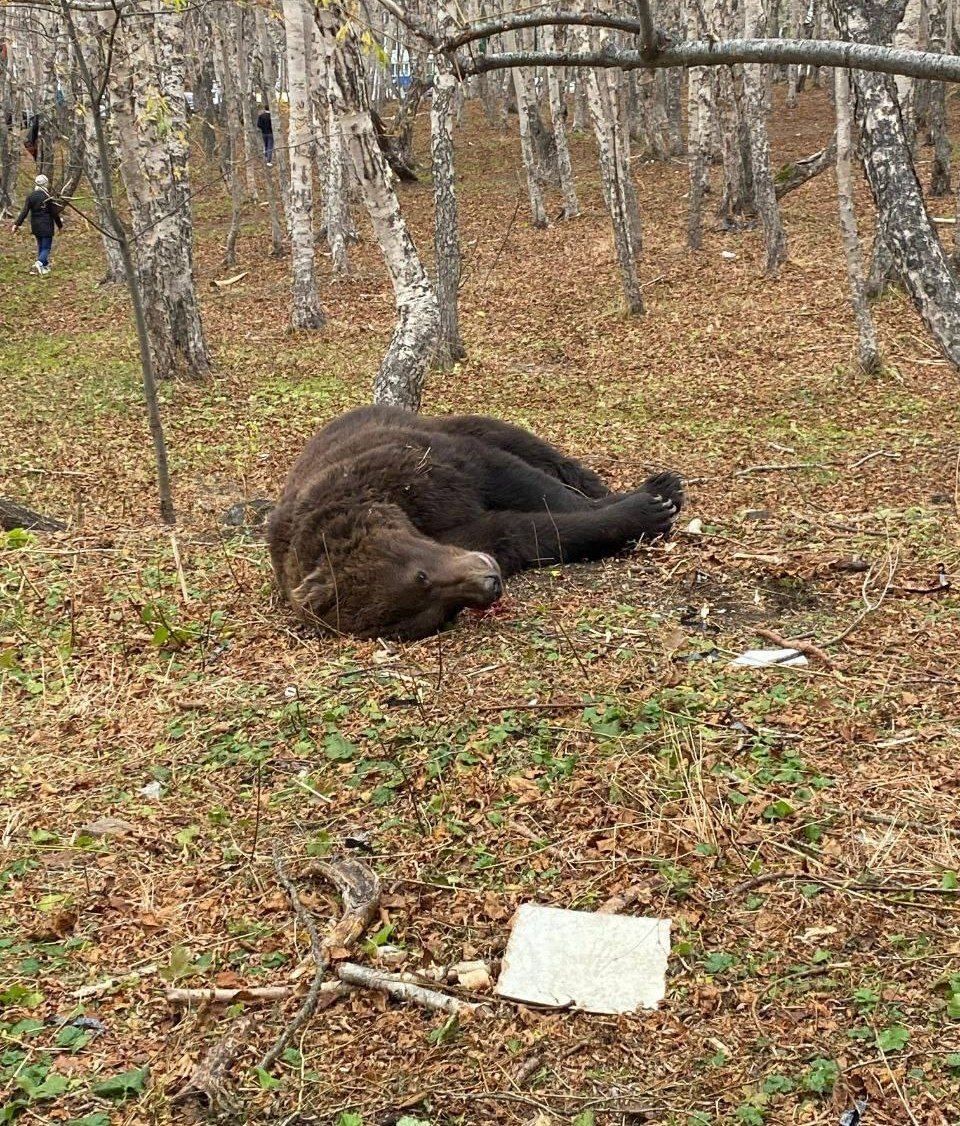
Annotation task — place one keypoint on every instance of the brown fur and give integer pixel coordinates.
(391, 523)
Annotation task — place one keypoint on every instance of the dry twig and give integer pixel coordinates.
(805, 647)
(360, 890)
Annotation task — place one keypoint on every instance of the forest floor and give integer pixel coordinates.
(799, 827)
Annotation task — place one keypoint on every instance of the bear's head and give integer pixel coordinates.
(383, 578)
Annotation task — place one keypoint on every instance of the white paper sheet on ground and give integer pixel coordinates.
(767, 658)
(596, 962)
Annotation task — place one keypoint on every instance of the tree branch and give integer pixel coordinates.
(821, 52)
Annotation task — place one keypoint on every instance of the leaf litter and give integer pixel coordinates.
(800, 829)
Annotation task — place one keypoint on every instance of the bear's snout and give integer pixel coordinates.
(484, 576)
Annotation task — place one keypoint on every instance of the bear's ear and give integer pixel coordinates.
(316, 596)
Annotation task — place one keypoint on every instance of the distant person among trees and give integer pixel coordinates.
(265, 125)
(44, 213)
(32, 140)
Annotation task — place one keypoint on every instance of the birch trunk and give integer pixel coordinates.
(937, 35)
(94, 90)
(222, 37)
(866, 334)
(903, 226)
(615, 174)
(446, 236)
(306, 311)
(581, 111)
(272, 58)
(240, 41)
(337, 203)
(400, 378)
(794, 28)
(755, 79)
(91, 165)
(150, 129)
(700, 148)
(10, 147)
(531, 164)
(906, 36)
(558, 117)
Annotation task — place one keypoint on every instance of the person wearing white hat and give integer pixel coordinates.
(44, 216)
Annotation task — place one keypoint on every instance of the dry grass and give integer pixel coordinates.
(586, 741)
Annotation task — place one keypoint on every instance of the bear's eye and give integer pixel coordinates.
(423, 579)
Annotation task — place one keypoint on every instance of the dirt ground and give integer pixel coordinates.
(162, 731)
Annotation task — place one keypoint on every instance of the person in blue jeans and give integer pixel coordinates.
(44, 218)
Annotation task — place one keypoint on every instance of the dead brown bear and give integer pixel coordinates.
(391, 523)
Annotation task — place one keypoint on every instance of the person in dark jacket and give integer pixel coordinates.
(265, 125)
(44, 213)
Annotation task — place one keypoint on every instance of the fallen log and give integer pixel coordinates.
(13, 515)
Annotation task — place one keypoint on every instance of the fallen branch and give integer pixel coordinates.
(841, 885)
(360, 891)
(780, 468)
(805, 647)
(403, 987)
(227, 996)
(13, 515)
(209, 1078)
(869, 607)
(795, 175)
(870, 457)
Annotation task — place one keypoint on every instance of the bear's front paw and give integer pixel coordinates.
(669, 485)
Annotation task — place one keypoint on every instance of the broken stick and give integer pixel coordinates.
(805, 647)
(402, 988)
(227, 996)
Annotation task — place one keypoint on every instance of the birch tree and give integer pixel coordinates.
(558, 117)
(446, 236)
(903, 226)
(531, 162)
(150, 133)
(937, 11)
(223, 30)
(94, 79)
(306, 311)
(400, 378)
(755, 81)
(866, 333)
(615, 174)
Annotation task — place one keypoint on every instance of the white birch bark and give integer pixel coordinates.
(306, 311)
(937, 16)
(273, 57)
(446, 227)
(222, 36)
(531, 163)
(400, 378)
(614, 173)
(337, 204)
(907, 36)
(699, 148)
(866, 334)
(558, 117)
(91, 166)
(755, 79)
(794, 28)
(903, 225)
(89, 36)
(240, 42)
(150, 130)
